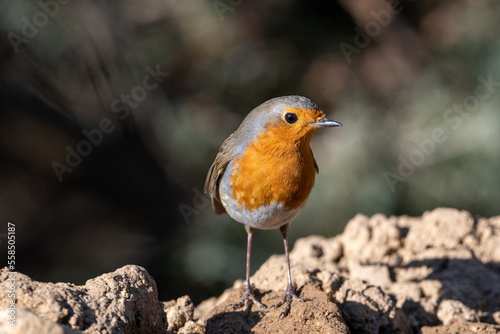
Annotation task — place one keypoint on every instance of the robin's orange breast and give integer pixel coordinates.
(277, 167)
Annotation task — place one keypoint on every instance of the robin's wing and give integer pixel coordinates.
(216, 172)
(315, 163)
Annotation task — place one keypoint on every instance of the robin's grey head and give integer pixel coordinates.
(273, 111)
(293, 111)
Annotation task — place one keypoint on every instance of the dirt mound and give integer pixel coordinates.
(125, 301)
(439, 273)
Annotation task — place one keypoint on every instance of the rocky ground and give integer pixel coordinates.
(439, 273)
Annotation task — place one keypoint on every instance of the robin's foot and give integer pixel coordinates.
(247, 300)
(287, 300)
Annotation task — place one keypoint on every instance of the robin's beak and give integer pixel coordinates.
(325, 122)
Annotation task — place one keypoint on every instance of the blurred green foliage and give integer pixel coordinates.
(397, 78)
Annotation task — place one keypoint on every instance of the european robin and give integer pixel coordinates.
(264, 172)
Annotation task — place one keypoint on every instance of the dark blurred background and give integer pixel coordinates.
(158, 85)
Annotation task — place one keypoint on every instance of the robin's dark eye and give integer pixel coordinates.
(291, 118)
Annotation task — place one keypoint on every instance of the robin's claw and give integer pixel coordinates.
(247, 300)
(287, 299)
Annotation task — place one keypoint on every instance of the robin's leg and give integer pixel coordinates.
(249, 296)
(290, 288)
